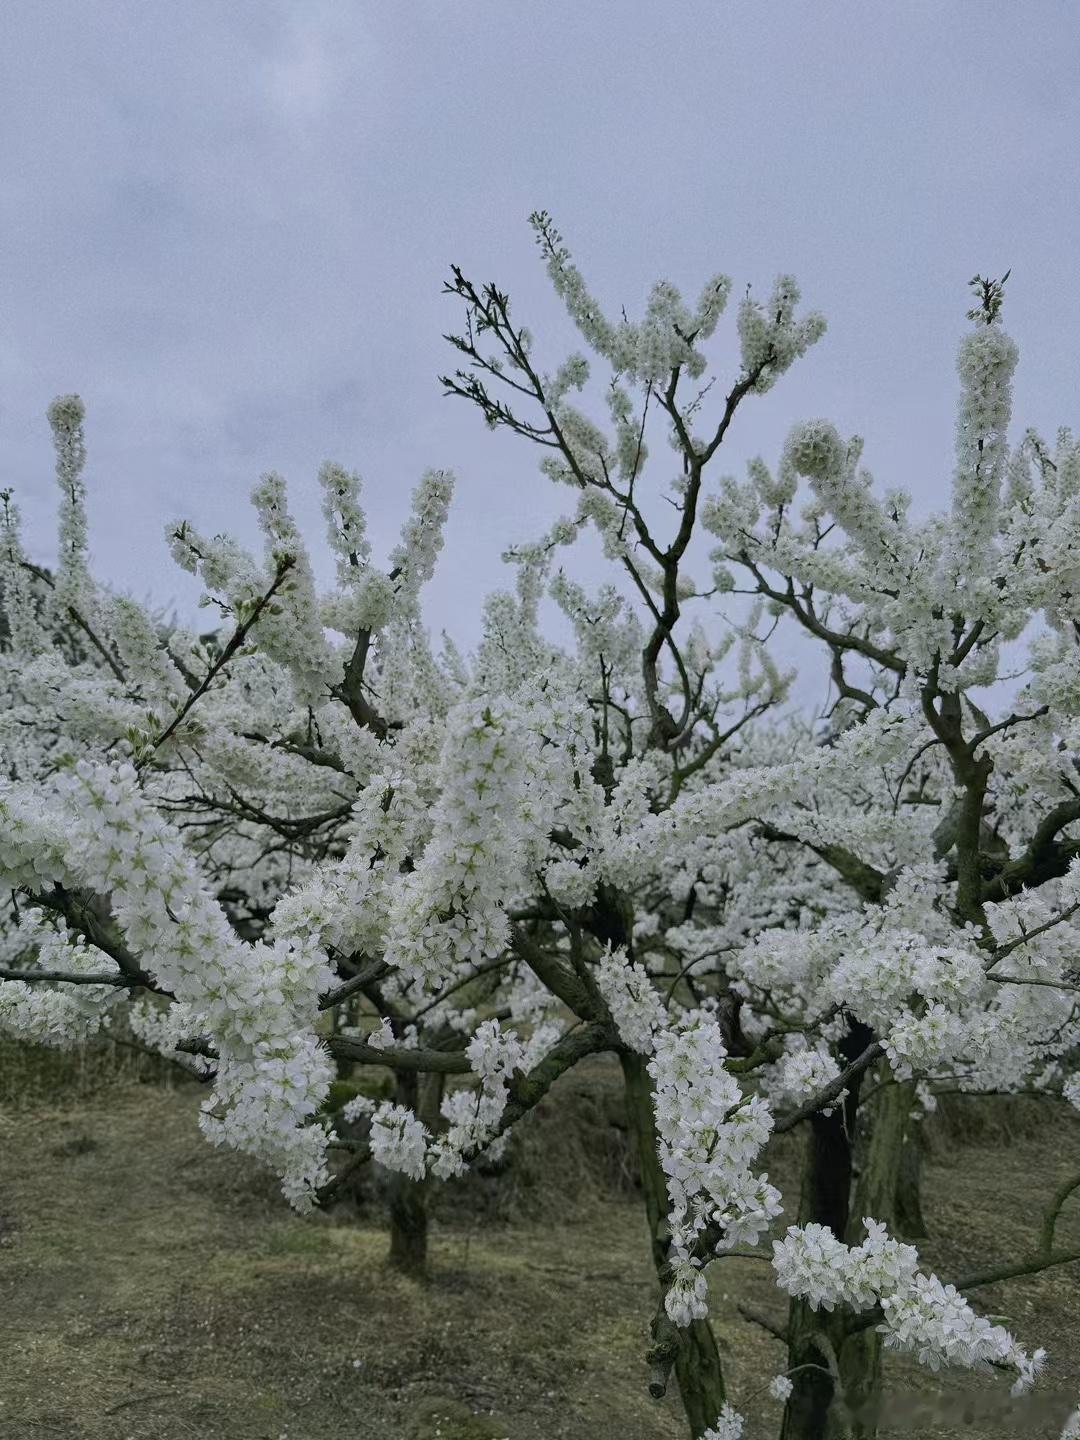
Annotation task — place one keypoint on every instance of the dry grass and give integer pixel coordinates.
(156, 1289)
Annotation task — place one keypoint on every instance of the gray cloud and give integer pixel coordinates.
(227, 226)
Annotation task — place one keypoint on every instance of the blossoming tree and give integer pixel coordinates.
(310, 839)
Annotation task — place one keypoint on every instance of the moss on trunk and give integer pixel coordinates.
(886, 1120)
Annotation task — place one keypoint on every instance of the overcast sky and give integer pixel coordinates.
(226, 224)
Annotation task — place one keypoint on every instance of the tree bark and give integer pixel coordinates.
(817, 1408)
(909, 1216)
(876, 1194)
(815, 1336)
(408, 1198)
(690, 1351)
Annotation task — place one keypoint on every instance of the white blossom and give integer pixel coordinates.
(780, 1387)
(728, 1426)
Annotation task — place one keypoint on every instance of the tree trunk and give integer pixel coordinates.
(692, 1350)
(876, 1194)
(408, 1198)
(408, 1225)
(909, 1216)
(816, 1410)
(815, 1336)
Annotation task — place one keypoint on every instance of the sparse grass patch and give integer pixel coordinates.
(449, 1419)
(156, 1288)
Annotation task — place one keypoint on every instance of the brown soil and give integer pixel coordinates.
(153, 1288)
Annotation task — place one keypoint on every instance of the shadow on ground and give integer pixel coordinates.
(153, 1288)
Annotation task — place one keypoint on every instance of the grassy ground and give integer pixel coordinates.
(152, 1288)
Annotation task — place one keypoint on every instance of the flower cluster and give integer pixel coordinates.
(473, 1116)
(62, 1018)
(451, 908)
(922, 1316)
(728, 1426)
(812, 1263)
(799, 1074)
(399, 1140)
(636, 1008)
(936, 1324)
(256, 1003)
(708, 1135)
